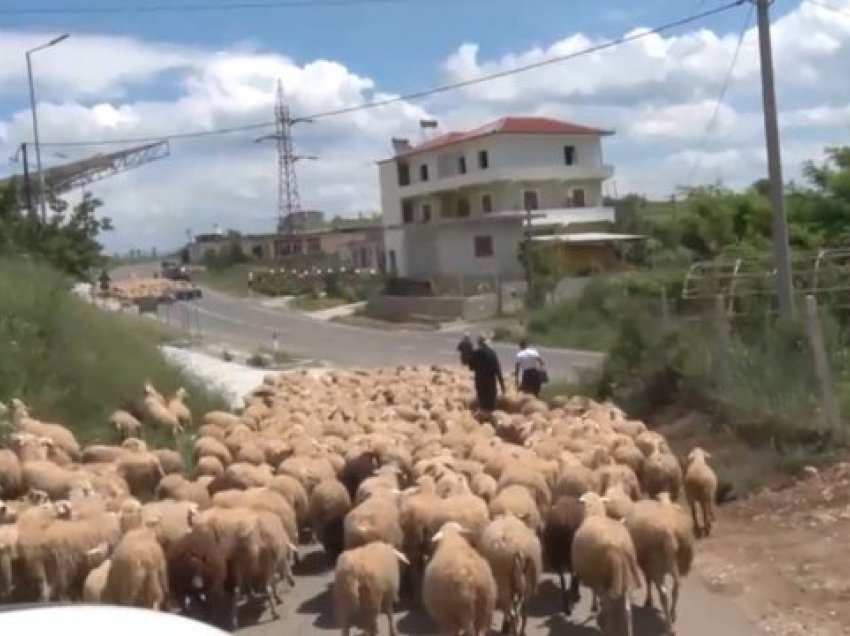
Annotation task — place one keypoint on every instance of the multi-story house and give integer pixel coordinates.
(461, 202)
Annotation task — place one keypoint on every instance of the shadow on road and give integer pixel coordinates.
(322, 606)
(312, 564)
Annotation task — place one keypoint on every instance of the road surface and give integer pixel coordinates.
(248, 323)
(307, 610)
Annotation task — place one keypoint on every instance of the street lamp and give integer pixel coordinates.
(42, 187)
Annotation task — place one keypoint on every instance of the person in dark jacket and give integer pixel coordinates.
(487, 372)
(465, 348)
(104, 281)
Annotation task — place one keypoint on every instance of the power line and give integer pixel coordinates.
(428, 92)
(724, 87)
(194, 7)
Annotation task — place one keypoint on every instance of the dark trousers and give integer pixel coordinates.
(531, 382)
(485, 391)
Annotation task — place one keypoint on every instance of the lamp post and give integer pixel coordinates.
(42, 188)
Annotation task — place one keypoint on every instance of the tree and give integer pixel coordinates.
(67, 240)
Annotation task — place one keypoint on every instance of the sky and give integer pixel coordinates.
(129, 71)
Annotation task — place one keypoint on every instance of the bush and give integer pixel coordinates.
(73, 363)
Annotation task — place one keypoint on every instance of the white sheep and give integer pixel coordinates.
(366, 583)
(458, 588)
(700, 489)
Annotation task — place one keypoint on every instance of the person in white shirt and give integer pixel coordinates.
(529, 371)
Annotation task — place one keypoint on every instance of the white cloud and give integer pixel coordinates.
(658, 93)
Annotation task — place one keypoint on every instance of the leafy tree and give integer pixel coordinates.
(68, 240)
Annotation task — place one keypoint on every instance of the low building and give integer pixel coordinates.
(349, 243)
(460, 204)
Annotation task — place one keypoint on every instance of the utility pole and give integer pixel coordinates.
(781, 256)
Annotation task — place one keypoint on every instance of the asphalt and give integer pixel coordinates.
(307, 609)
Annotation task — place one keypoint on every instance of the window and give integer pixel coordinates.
(461, 165)
(483, 159)
(483, 246)
(570, 155)
(407, 211)
(529, 200)
(576, 198)
(403, 173)
(486, 203)
(423, 172)
(426, 212)
(463, 207)
(257, 251)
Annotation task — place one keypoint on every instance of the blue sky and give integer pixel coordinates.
(147, 74)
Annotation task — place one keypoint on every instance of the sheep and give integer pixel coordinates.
(386, 478)
(170, 460)
(515, 556)
(417, 512)
(292, 490)
(125, 424)
(357, 469)
(662, 473)
(95, 582)
(517, 501)
(458, 588)
(366, 583)
(8, 554)
(142, 472)
(700, 489)
(559, 528)
(260, 499)
(101, 454)
(169, 519)
(604, 559)
(376, 519)
(241, 476)
(197, 571)
(654, 535)
(208, 465)
(221, 419)
(310, 471)
(138, 573)
(156, 412)
(329, 505)
(464, 508)
(61, 436)
(622, 475)
(28, 447)
(484, 486)
(207, 445)
(522, 474)
(618, 504)
(177, 406)
(11, 477)
(54, 480)
(177, 487)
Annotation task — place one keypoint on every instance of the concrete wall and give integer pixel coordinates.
(456, 253)
(441, 309)
(508, 151)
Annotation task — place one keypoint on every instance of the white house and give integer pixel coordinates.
(458, 204)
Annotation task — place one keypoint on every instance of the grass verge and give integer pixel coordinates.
(73, 363)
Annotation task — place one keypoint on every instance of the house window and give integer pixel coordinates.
(463, 207)
(426, 212)
(483, 246)
(529, 200)
(570, 155)
(403, 173)
(576, 198)
(423, 172)
(407, 211)
(257, 251)
(483, 159)
(486, 203)
(461, 165)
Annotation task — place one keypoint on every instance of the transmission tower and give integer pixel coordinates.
(288, 200)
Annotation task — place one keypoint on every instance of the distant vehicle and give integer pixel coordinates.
(172, 270)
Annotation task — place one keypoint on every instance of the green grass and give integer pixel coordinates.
(74, 364)
(230, 280)
(310, 303)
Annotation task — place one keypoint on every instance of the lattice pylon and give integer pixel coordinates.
(288, 200)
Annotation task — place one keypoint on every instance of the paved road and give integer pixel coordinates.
(307, 609)
(245, 322)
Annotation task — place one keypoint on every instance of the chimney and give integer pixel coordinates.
(400, 146)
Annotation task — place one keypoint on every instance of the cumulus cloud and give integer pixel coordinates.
(658, 92)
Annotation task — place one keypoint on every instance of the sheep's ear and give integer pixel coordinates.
(706, 454)
(100, 551)
(437, 537)
(401, 557)
(606, 500)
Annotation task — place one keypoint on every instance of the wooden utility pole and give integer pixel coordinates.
(781, 256)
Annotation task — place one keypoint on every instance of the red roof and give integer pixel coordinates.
(509, 126)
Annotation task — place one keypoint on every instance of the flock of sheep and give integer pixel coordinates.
(407, 487)
(131, 290)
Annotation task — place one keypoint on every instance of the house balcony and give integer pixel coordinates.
(541, 220)
(526, 174)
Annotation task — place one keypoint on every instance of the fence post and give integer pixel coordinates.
(814, 328)
(722, 341)
(665, 310)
